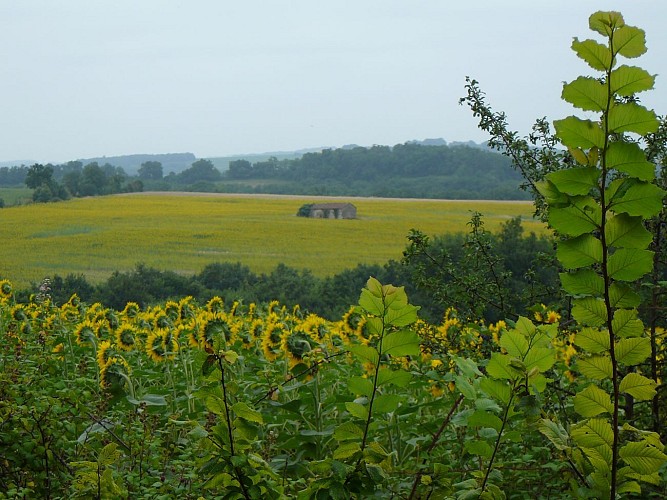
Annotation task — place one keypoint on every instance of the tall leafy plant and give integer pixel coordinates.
(599, 208)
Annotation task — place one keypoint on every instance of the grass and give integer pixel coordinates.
(96, 236)
(15, 195)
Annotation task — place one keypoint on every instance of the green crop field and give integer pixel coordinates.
(15, 195)
(183, 233)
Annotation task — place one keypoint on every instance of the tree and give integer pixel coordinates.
(39, 174)
(151, 170)
(201, 170)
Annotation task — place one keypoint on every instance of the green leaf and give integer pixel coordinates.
(575, 181)
(626, 324)
(578, 133)
(592, 340)
(551, 194)
(371, 303)
(360, 386)
(403, 316)
(622, 295)
(209, 364)
(346, 450)
(365, 352)
(242, 410)
(499, 367)
(605, 22)
(597, 56)
(628, 80)
(626, 231)
(589, 311)
(108, 455)
(592, 401)
(629, 158)
(631, 117)
(642, 457)
(465, 387)
(579, 252)
(629, 264)
(638, 386)
(586, 93)
(497, 389)
(478, 448)
(555, 433)
(593, 433)
(630, 41)
(374, 287)
(597, 366)
(399, 378)
(541, 358)
(582, 282)
(581, 217)
(642, 199)
(357, 410)
(632, 351)
(485, 419)
(514, 343)
(348, 431)
(401, 343)
(386, 403)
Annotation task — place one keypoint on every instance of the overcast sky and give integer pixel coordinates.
(86, 78)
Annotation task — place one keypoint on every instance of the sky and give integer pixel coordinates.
(92, 78)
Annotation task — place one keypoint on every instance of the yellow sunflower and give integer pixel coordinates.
(131, 310)
(215, 305)
(5, 289)
(114, 372)
(126, 337)
(85, 333)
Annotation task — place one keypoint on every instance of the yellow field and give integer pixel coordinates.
(183, 233)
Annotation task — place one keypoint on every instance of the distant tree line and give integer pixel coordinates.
(526, 264)
(404, 171)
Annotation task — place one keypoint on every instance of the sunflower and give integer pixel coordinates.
(172, 310)
(5, 289)
(215, 305)
(131, 310)
(162, 320)
(69, 312)
(114, 372)
(161, 346)
(104, 352)
(18, 313)
(294, 345)
(186, 307)
(85, 333)
(214, 327)
(271, 338)
(315, 327)
(126, 337)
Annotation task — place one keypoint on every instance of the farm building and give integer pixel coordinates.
(333, 211)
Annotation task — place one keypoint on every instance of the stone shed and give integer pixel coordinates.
(333, 211)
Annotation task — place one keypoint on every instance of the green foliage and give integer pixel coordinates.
(599, 208)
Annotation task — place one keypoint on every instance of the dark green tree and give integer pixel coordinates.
(151, 170)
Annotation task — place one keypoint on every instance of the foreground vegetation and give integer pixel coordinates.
(234, 400)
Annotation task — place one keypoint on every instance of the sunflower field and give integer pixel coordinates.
(231, 400)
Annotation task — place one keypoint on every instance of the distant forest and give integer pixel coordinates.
(409, 170)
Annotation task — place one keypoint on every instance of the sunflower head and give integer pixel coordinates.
(114, 373)
(5, 288)
(85, 333)
(104, 352)
(131, 310)
(215, 305)
(126, 337)
(18, 313)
